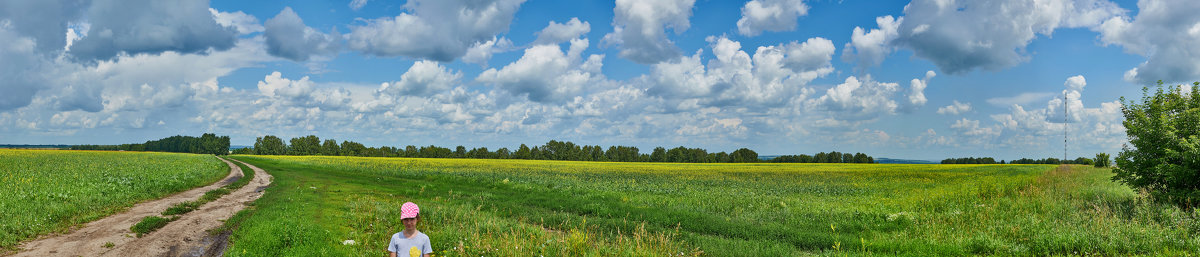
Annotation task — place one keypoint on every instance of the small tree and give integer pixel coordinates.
(1164, 130)
(1101, 160)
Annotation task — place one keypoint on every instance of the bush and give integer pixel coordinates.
(1164, 129)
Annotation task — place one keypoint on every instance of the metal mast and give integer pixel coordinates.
(1066, 112)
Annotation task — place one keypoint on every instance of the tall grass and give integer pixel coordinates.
(554, 208)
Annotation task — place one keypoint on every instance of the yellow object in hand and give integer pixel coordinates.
(414, 252)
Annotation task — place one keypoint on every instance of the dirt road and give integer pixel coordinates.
(187, 236)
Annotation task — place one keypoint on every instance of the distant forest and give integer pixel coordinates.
(990, 160)
(553, 150)
(35, 146)
(205, 144)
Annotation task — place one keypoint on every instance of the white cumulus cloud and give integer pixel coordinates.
(639, 28)
(288, 37)
(440, 30)
(961, 36)
(555, 33)
(770, 15)
(1169, 58)
(955, 109)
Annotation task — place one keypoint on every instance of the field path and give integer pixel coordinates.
(187, 236)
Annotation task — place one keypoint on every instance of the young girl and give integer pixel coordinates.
(410, 241)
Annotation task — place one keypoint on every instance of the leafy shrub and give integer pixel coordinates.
(1164, 129)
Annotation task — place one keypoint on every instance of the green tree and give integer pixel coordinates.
(460, 152)
(351, 148)
(411, 151)
(1102, 160)
(503, 153)
(269, 145)
(523, 152)
(1083, 160)
(1164, 131)
(246, 150)
(306, 145)
(330, 148)
(659, 154)
(743, 155)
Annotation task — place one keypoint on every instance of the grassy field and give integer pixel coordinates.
(555, 208)
(46, 191)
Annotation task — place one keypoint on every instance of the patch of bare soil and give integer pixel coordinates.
(187, 236)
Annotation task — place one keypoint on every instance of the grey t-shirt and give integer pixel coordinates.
(402, 245)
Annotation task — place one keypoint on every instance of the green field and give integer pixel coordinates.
(47, 191)
(555, 208)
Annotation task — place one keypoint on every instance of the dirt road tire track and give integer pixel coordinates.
(182, 237)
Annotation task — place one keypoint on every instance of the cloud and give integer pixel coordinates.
(961, 36)
(88, 88)
(1168, 58)
(482, 52)
(971, 128)
(870, 48)
(357, 4)
(1020, 99)
(424, 78)
(288, 37)
(244, 23)
(639, 28)
(856, 99)
(42, 21)
(770, 15)
(955, 109)
(555, 33)
(435, 29)
(544, 73)
(1074, 104)
(303, 93)
(275, 85)
(133, 92)
(155, 27)
(916, 93)
(773, 76)
(21, 68)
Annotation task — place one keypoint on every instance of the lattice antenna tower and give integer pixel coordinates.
(1066, 114)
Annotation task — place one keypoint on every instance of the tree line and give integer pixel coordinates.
(552, 150)
(205, 144)
(1101, 160)
(822, 157)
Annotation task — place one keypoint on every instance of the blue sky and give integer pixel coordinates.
(919, 80)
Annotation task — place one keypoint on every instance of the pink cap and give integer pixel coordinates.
(409, 210)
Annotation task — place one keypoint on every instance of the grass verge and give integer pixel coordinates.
(150, 224)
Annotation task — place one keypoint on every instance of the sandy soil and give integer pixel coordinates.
(187, 236)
